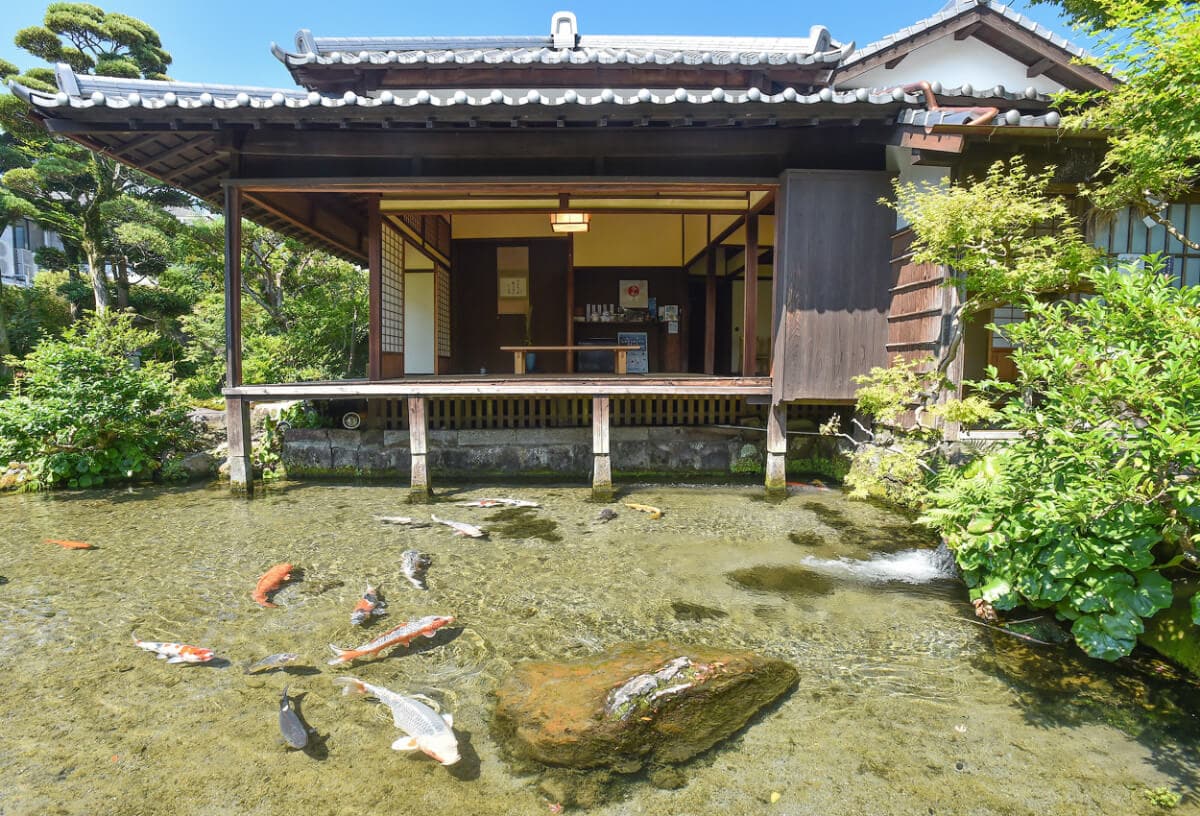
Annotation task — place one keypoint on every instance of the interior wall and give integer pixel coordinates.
(419, 337)
(762, 325)
(480, 331)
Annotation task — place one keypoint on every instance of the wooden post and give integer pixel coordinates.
(777, 450)
(374, 290)
(602, 487)
(750, 300)
(237, 410)
(233, 287)
(237, 428)
(710, 313)
(571, 302)
(418, 445)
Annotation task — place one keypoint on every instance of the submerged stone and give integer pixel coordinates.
(639, 702)
(685, 611)
(807, 539)
(786, 580)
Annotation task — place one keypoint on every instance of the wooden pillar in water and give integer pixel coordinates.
(237, 410)
(418, 445)
(750, 300)
(776, 471)
(602, 486)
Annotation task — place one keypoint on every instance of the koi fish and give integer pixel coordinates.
(294, 732)
(407, 521)
(70, 545)
(414, 565)
(402, 635)
(175, 652)
(428, 731)
(461, 528)
(274, 661)
(500, 503)
(654, 512)
(370, 604)
(272, 580)
(606, 515)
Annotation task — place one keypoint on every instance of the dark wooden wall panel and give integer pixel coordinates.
(479, 331)
(834, 282)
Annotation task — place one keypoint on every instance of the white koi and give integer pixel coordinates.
(461, 528)
(428, 731)
(500, 503)
(175, 652)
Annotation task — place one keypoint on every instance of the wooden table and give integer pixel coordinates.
(621, 354)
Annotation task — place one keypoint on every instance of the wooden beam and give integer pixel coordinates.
(237, 434)
(776, 468)
(531, 386)
(710, 312)
(233, 287)
(750, 300)
(602, 488)
(937, 142)
(1040, 67)
(418, 446)
(183, 146)
(374, 290)
(894, 61)
(530, 185)
(969, 31)
(571, 301)
(279, 209)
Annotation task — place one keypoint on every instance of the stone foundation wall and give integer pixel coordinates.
(551, 453)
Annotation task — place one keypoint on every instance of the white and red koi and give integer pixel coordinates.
(460, 528)
(175, 652)
(428, 731)
(368, 605)
(401, 635)
(500, 503)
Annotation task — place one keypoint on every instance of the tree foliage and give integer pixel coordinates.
(1100, 491)
(92, 40)
(86, 412)
(1152, 117)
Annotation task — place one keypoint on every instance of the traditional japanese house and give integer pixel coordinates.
(570, 229)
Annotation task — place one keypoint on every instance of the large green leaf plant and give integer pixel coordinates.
(1099, 494)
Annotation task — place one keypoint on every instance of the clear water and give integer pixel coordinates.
(903, 705)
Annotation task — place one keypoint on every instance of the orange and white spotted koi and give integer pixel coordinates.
(369, 604)
(175, 652)
(401, 635)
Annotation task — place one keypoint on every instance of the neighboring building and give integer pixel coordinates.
(720, 195)
(18, 243)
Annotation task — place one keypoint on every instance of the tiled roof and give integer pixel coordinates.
(85, 91)
(954, 9)
(816, 49)
(951, 116)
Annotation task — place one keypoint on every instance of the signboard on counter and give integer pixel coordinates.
(635, 294)
(637, 362)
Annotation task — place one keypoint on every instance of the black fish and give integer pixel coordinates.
(606, 515)
(294, 732)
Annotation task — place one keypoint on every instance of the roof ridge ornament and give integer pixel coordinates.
(305, 43)
(564, 29)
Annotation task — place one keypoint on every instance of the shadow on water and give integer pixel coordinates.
(316, 747)
(469, 767)
(1143, 697)
(785, 580)
(523, 522)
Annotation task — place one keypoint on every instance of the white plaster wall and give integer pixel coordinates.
(955, 63)
(899, 161)
(419, 339)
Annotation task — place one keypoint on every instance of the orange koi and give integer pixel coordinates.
(369, 604)
(70, 545)
(272, 580)
(402, 635)
(175, 652)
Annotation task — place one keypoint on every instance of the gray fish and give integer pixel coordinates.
(294, 732)
(414, 565)
(275, 661)
(606, 515)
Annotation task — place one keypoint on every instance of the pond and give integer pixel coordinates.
(904, 706)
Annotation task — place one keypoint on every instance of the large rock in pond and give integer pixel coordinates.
(637, 703)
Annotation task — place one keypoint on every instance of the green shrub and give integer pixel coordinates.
(1100, 492)
(84, 411)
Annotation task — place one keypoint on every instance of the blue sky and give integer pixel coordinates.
(227, 41)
